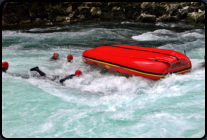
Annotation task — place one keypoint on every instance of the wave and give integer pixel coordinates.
(164, 34)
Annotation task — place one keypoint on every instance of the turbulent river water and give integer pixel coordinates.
(98, 104)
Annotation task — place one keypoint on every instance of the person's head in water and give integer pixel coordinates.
(5, 66)
(69, 58)
(55, 55)
(78, 73)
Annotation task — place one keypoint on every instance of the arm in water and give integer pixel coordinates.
(67, 77)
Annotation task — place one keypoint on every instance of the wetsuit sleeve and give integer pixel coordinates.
(67, 77)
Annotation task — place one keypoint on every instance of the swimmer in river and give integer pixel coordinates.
(69, 58)
(77, 73)
(5, 66)
(55, 57)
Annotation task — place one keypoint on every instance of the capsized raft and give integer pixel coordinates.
(152, 63)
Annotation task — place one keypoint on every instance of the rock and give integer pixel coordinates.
(147, 18)
(80, 7)
(41, 12)
(191, 17)
(199, 10)
(196, 17)
(49, 23)
(168, 18)
(172, 9)
(81, 16)
(146, 5)
(59, 18)
(95, 11)
(71, 14)
(45, 20)
(182, 13)
(98, 12)
(114, 8)
(201, 17)
(38, 21)
(69, 9)
(26, 21)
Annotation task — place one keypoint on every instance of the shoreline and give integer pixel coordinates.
(38, 14)
(25, 26)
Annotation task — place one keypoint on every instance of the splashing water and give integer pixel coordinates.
(100, 104)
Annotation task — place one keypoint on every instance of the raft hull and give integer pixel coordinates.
(149, 63)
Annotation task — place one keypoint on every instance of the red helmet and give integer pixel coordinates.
(78, 72)
(55, 53)
(5, 64)
(70, 57)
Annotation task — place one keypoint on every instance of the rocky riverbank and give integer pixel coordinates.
(50, 13)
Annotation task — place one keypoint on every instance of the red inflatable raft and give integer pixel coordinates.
(150, 63)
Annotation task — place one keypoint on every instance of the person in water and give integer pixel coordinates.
(69, 58)
(55, 56)
(5, 66)
(77, 73)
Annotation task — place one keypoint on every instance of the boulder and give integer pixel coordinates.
(201, 17)
(146, 5)
(172, 9)
(98, 12)
(95, 11)
(71, 14)
(196, 17)
(146, 18)
(69, 9)
(168, 18)
(182, 13)
(59, 18)
(81, 17)
(38, 21)
(26, 21)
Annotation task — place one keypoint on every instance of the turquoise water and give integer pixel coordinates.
(97, 104)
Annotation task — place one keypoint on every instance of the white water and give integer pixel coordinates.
(97, 104)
